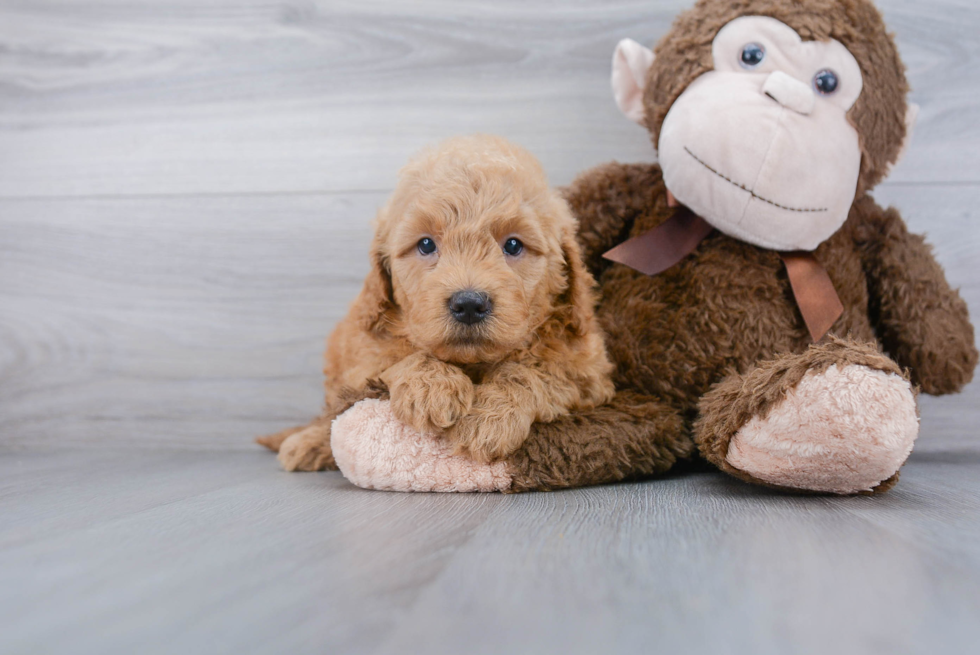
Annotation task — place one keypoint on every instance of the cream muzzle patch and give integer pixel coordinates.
(755, 146)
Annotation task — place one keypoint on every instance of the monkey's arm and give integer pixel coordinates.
(921, 321)
(607, 200)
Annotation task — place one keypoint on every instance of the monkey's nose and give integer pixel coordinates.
(789, 92)
(470, 307)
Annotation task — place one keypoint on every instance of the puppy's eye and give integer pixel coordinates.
(513, 247)
(427, 246)
(825, 82)
(752, 55)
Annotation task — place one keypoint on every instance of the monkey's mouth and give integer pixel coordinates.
(750, 191)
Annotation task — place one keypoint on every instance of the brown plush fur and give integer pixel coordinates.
(719, 335)
(628, 438)
(537, 356)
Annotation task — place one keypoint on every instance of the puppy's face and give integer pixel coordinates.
(475, 261)
(471, 283)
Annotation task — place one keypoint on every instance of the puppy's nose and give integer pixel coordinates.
(470, 307)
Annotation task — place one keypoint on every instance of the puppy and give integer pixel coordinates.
(477, 314)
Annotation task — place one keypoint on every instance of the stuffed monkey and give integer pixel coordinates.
(763, 312)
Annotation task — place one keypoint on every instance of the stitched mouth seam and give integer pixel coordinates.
(750, 191)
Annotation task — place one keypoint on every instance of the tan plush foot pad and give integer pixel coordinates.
(374, 450)
(841, 431)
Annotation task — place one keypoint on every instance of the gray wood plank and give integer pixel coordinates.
(221, 553)
(173, 97)
(202, 564)
(195, 322)
(702, 564)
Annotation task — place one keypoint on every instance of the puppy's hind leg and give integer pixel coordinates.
(305, 448)
(274, 441)
(309, 449)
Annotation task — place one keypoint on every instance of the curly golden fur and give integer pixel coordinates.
(535, 354)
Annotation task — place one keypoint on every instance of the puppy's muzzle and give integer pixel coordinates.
(470, 307)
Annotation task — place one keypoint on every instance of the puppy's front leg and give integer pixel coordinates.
(428, 394)
(506, 404)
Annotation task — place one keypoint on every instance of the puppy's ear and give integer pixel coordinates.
(577, 302)
(377, 299)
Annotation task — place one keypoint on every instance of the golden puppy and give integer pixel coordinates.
(477, 314)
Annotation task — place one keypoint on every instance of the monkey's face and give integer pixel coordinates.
(761, 147)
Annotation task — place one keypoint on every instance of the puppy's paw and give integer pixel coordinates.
(487, 436)
(427, 394)
(307, 450)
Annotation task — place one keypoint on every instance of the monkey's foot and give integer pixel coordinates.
(374, 450)
(844, 430)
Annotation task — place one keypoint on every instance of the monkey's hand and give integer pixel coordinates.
(922, 322)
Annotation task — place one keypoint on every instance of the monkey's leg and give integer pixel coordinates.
(838, 418)
(631, 437)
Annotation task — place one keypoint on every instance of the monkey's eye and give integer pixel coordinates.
(427, 246)
(752, 55)
(825, 82)
(513, 247)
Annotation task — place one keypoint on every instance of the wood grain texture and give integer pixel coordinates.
(186, 188)
(197, 322)
(222, 553)
(122, 98)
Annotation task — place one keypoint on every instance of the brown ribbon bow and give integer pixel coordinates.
(664, 246)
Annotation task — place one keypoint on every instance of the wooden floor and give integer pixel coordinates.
(185, 197)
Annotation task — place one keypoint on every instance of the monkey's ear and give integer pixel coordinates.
(911, 115)
(630, 64)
